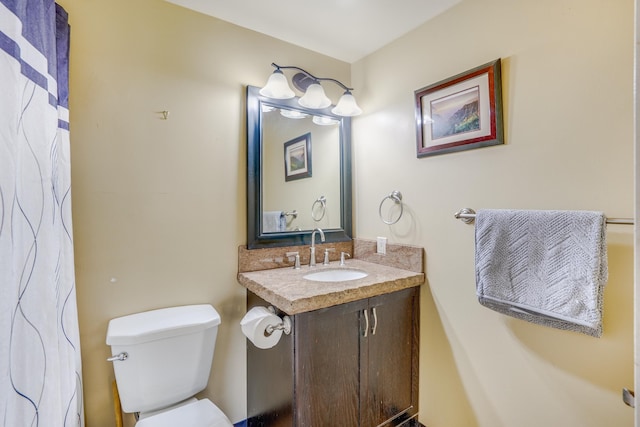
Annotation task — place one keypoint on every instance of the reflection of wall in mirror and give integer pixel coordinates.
(299, 195)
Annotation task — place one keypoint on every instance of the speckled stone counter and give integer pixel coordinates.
(286, 288)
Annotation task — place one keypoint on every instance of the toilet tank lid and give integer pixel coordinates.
(162, 323)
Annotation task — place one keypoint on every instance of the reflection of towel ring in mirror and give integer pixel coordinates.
(396, 197)
(323, 208)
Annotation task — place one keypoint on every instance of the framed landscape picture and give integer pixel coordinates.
(297, 158)
(461, 112)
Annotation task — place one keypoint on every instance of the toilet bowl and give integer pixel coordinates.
(161, 360)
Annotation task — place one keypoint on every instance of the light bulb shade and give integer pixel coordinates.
(293, 114)
(277, 87)
(314, 97)
(324, 121)
(347, 106)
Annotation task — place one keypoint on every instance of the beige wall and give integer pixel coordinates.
(159, 205)
(567, 87)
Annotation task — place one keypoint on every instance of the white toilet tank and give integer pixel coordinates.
(169, 355)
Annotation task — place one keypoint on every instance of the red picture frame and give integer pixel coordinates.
(461, 112)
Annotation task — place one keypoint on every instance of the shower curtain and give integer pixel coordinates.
(40, 371)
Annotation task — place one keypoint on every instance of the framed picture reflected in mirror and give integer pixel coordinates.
(297, 158)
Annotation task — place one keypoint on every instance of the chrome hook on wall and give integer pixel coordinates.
(396, 197)
(629, 397)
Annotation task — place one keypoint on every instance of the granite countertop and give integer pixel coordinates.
(286, 288)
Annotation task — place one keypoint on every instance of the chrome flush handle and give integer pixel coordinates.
(119, 357)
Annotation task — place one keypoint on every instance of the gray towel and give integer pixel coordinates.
(546, 267)
(273, 222)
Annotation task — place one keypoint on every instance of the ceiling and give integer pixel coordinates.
(347, 30)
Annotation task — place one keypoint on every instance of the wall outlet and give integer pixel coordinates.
(381, 245)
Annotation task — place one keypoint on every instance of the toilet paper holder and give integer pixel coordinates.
(284, 326)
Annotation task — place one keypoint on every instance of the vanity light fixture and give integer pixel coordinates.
(314, 97)
(324, 121)
(292, 114)
(277, 86)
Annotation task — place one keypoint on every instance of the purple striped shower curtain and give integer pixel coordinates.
(40, 371)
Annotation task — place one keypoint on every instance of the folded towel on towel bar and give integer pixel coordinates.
(546, 267)
(273, 222)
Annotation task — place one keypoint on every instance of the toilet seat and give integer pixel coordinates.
(201, 413)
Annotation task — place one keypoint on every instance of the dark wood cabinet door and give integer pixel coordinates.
(389, 361)
(327, 365)
(351, 365)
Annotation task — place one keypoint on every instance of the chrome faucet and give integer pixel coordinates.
(312, 259)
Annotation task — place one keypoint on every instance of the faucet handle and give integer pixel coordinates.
(290, 255)
(326, 255)
(342, 255)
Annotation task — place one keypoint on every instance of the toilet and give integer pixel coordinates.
(162, 359)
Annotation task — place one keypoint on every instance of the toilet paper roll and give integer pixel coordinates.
(254, 326)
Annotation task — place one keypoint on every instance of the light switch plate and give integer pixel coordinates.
(381, 245)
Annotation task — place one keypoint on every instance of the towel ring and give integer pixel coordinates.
(396, 197)
(323, 208)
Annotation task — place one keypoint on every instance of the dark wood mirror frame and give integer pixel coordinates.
(255, 237)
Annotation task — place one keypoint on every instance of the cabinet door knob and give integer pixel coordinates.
(375, 321)
(366, 322)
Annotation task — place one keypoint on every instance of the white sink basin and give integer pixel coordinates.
(335, 275)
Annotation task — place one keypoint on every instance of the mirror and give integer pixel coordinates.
(298, 173)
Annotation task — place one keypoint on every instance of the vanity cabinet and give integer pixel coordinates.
(354, 364)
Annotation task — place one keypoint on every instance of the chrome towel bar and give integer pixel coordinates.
(468, 215)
